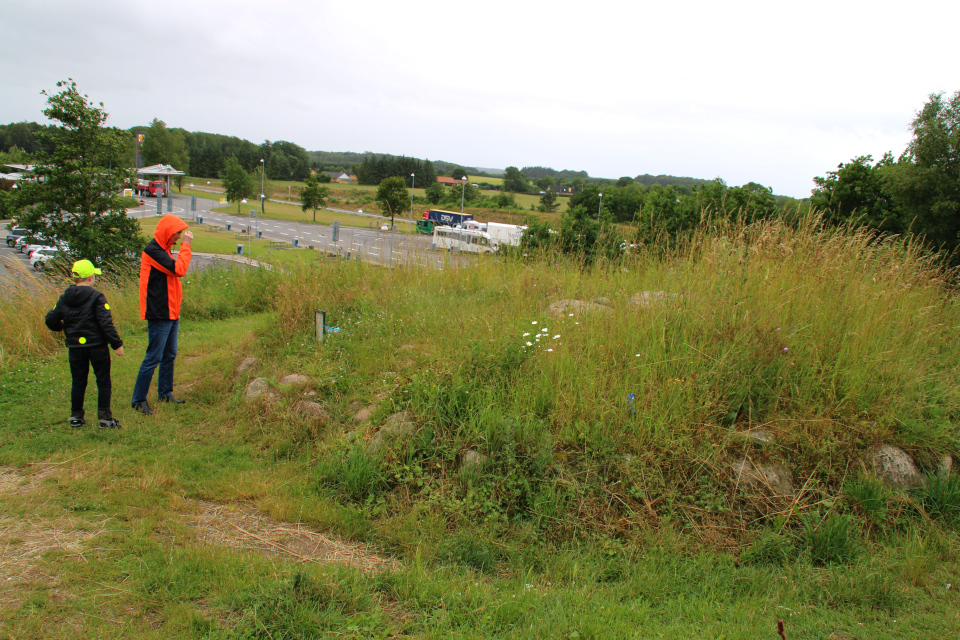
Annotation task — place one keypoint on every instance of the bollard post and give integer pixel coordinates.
(320, 319)
(159, 204)
(169, 203)
(336, 231)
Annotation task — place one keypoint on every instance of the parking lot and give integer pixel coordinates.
(11, 255)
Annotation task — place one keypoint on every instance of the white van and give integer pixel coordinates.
(463, 240)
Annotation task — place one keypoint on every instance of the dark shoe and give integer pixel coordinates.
(76, 422)
(110, 423)
(170, 398)
(142, 407)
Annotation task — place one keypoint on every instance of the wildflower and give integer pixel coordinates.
(534, 322)
(636, 355)
(556, 336)
(786, 349)
(526, 334)
(529, 344)
(630, 401)
(570, 315)
(549, 349)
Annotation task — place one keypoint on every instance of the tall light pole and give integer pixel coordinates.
(599, 206)
(462, 191)
(263, 196)
(413, 181)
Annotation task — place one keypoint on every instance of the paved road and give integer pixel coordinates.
(368, 244)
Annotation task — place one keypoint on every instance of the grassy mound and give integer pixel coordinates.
(547, 449)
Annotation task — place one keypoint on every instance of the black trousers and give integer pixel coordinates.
(81, 359)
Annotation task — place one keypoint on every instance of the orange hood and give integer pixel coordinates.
(168, 226)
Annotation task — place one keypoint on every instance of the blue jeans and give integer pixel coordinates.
(162, 350)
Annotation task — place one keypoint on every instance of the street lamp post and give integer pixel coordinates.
(599, 206)
(413, 181)
(463, 190)
(263, 173)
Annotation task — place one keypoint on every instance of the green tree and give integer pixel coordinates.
(857, 190)
(435, 193)
(506, 201)
(393, 197)
(76, 198)
(238, 183)
(548, 201)
(165, 146)
(514, 180)
(925, 181)
(545, 183)
(536, 237)
(313, 196)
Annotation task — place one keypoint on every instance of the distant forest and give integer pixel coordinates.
(205, 155)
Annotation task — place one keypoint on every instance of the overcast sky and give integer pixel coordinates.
(769, 92)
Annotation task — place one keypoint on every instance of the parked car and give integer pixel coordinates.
(30, 248)
(14, 233)
(40, 256)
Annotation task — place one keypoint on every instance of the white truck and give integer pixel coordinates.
(505, 234)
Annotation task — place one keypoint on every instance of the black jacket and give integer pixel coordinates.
(82, 313)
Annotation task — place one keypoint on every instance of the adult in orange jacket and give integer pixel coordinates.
(160, 295)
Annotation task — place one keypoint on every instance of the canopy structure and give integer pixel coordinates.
(159, 170)
(24, 172)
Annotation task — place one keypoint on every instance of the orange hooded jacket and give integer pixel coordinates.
(160, 289)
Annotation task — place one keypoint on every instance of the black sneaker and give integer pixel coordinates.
(142, 407)
(76, 422)
(170, 398)
(109, 423)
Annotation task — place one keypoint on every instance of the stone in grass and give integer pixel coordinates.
(256, 388)
(562, 308)
(759, 435)
(294, 379)
(473, 460)
(312, 410)
(397, 426)
(895, 467)
(245, 365)
(364, 414)
(778, 479)
(945, 467)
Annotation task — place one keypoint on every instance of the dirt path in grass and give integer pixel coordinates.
(25, 541)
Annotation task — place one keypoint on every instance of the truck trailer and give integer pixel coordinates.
(448, 218)
(504, 234)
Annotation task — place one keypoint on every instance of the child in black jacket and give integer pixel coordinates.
(82, 313)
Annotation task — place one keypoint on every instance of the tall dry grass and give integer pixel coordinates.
(25, 299)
